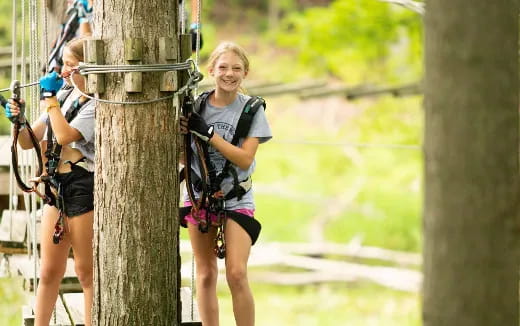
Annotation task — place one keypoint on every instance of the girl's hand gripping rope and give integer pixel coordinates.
(15, 111)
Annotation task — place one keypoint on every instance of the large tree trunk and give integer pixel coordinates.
(136, 186)
(472, 165)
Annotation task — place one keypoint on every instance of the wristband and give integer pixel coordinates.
(51, 103)
(47, 94)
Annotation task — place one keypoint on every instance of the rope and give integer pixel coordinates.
(21, 86)
(197, 43)
(45, 33)
(197, 58)
(34, 73)
(182, 15)
(193, 80)
(13, 76)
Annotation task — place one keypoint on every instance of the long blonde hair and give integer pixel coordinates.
(228, 47)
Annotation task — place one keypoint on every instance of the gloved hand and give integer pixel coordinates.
(50, 84)
(194, 27)
(199, 127)
(15, 111)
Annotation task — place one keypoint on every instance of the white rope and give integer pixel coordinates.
(197, 58)
(34, 74)
(197, 43)
(13, 76)
(45, 51)
(182, 15)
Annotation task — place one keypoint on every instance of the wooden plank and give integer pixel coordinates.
(27, 316)
(13, 226)
(69, 283)
(75, 303)
(60, 316)
(186, 301)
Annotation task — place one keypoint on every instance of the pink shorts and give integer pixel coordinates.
(214, 219)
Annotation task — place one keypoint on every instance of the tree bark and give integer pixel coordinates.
(136, 252)
(471, 164)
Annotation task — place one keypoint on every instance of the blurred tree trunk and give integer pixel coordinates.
(472, 163)
(136, 247)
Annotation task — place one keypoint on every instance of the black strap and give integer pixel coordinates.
(67, 33)
(53, 152)
(242, 130)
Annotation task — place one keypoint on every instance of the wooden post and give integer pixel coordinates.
(167, 55)
(185, 53)
(93, 53)
(134, 55)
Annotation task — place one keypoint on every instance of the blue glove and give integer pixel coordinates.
(50, 84)
(20, 117)
(199, 127)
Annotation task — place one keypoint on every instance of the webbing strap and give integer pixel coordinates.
(53, 152)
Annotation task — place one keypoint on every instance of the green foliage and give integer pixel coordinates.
(12, 300)
(377, 38)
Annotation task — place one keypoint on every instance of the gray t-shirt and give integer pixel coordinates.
(224, 121)
(83, 122)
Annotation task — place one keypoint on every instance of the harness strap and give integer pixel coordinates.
(251, 225)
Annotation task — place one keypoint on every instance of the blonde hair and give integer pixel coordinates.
(228, 47)
(76, 47)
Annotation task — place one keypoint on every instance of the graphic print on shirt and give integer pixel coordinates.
(226, 131)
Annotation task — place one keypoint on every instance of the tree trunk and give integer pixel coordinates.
(471, 164)
(136, 252)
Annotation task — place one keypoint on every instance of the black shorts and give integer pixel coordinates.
(76, 193)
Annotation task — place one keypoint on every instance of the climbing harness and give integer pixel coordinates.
(212, 197)
(54, 188)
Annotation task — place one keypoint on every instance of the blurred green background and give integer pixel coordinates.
(329, 156)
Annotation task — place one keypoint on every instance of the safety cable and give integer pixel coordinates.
(190, 84)
(21, 86)
(87, 69)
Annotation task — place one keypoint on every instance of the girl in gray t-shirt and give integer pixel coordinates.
(216, 125)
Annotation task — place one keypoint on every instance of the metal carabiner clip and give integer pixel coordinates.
(15, 90)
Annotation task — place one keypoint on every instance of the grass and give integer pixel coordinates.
(328, 304)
